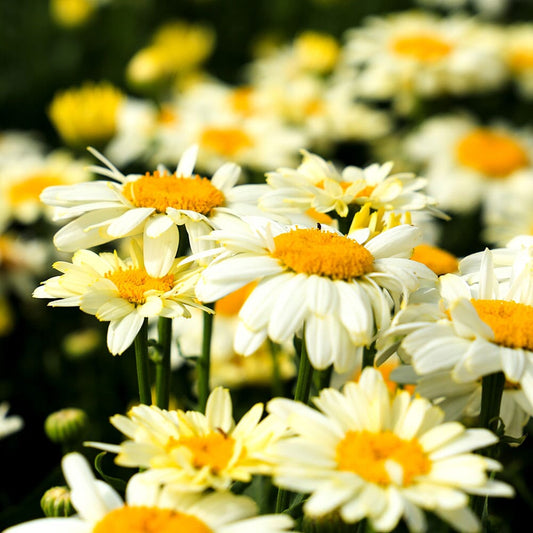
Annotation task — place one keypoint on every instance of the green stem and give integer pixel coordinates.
(491, 397)
(277, 387)
(204, 361)
(323, 378)
(368, 357)
(301, 394)
(162, 369)
(142, 362)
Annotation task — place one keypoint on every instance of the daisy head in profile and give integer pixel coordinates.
(121, 291)
(337, 289)
(148, 508)
(188, 451)
(366, 454)
(151, 205)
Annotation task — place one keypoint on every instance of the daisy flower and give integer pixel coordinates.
(410, 55)
(120, 291)
(367, 454)
(23, 179)
(518, 51)
(466, 162)
(475, 326)
(8, 424)
(151, 205)
(148, 508)
(340, 289)
(188, 451)
(320, 185)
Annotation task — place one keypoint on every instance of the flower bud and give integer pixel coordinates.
(66, 426)
(56, 502)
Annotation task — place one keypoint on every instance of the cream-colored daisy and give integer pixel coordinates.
(337, 289)
(477, 326)
(228, 368)
(152, 205)
(320, 185)
(371, 455)
(8, 424)
(188, 451)
(150, 509)
(23, 179)
(414, 54)
(466, 162)
(121, 292)
(519, 56)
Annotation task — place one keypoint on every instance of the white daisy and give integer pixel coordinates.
(368, 455)
(189, 451)
(8, 424)
(409, 55)
(336, 288)
(120, 292)
(466, 163)
(151, 205)
(318, 184)
(149, 508)
(519, 56)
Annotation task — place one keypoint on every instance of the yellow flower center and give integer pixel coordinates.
(88, 114)
(133, 283)
(423, 47)
(521, 60)
(227, 142)
(511, 322)
(241, 101)
(491, 153)
(149, 520)
(312, 251)
(365, 454)
(29, 189)
(317, 216)
(159, 190)
(214, 449)
(231, 304)
(437, 259)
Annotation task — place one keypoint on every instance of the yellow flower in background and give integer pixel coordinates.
(120, 292)
(316, 52)
(177, 48)
(72, 13)
(87, 115)
(188, 451)
(367, 454)
(437, 259)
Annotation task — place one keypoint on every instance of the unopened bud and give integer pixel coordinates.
(66, 426)
(56, 502)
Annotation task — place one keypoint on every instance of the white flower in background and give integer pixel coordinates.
(255, 142)
(16, 145)
(336, 289)
(149, 508)
(188, 451)
(367, 454)
(320, 185)
(8, 424)
(409, 55)
(121, 292)
(485, 8)
(519, 56)
(23, 179)
(466, 162)
(151, 205)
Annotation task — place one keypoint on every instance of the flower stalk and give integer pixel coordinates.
(203, 364)
(162, 368)
(142, 362)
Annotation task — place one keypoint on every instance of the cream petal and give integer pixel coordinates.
(197, 230)
(114, 309)
(226, 176)
(321, 295)
(513, 362)
(219, 410)
(141, 493)
(121, 333)
(160, 252)
(387, 519)
(129, 222)
(152, 307)
(80, 193)
(187, 161)
(469, 440)
(156, 225)
(317, 341)
(453, 287)
(355, 311)
(480, 359)
(52, 525)
(439, 436)
(396, 242)
(248, 341)
(462, 519)
(327, 498)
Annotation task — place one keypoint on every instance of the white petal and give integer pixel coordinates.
(156, 225)
(160, 252)
(187, 161)
(130, 221)
(219, 410)
(121, 333)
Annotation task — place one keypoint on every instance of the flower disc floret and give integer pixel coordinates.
(161, 190)
(133, 283)
(149, 520)
(214, 450)
(312, 251)
(365, 454)
(423, 47)
(491, 153)
(511, 322)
